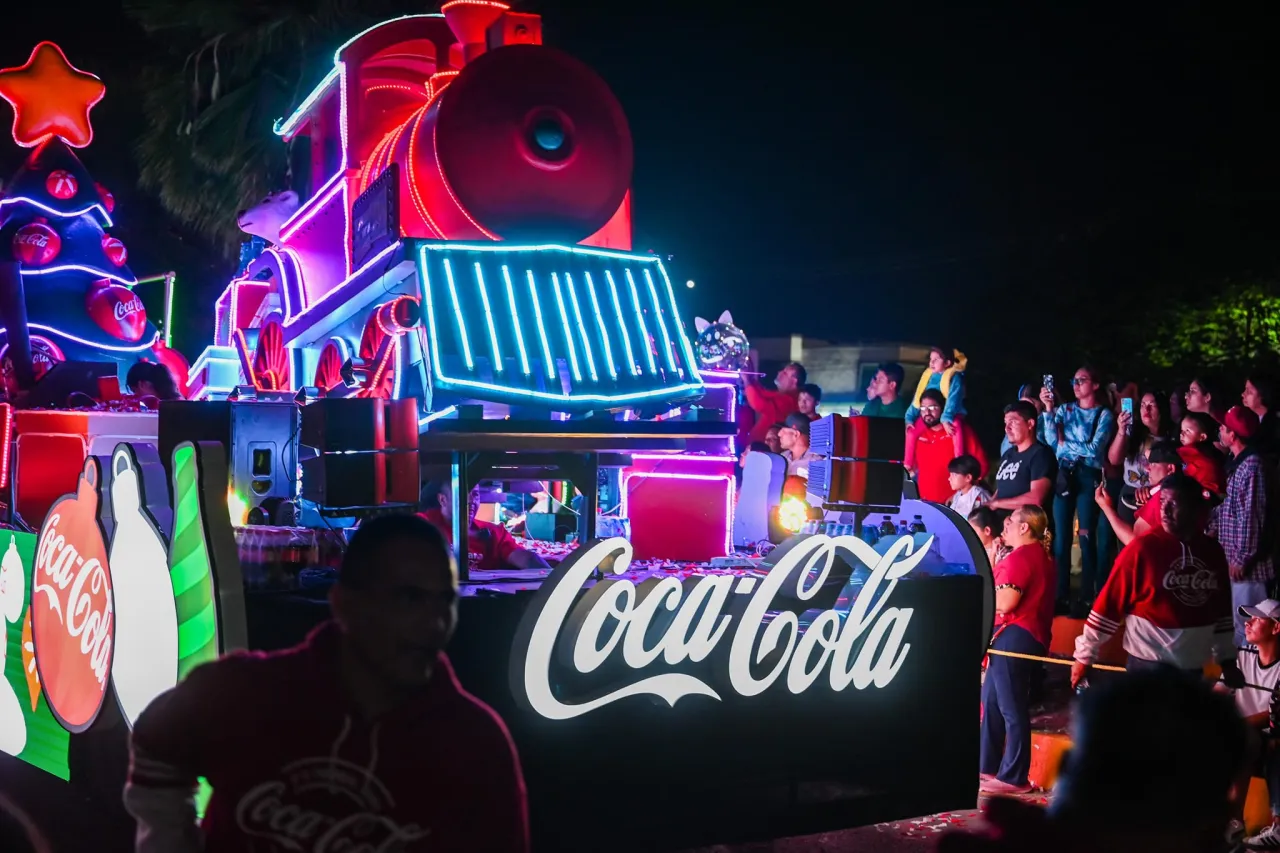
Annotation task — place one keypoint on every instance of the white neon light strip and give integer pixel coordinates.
(457, 313)
(127, 282)
(286, 127)
(397, 373)
(70, 214)
(657, 475)
(684, 337)
(644, 329)
(582, 327)
(632, 367)
(211, 354)
(284, 282)
(337, 54)
(295, 262)
(435, 416)
(370, 264)
(568, 334)
(488, 319)
(515, 319)
(662, 324)
(604, 334)
(542, 329)
(138, 347)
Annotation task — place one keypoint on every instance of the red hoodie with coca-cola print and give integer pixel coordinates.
(293, 767)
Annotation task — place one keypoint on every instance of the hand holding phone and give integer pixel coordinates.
(1126, 411)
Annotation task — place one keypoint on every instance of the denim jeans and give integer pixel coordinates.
(1107, 543)
(1006, 712)
(1078, 504)
(1245, 594)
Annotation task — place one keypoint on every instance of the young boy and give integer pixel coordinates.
(963, 473)
(946, 374)
(1258, 667)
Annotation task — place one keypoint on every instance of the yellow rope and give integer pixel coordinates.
(1042, 659)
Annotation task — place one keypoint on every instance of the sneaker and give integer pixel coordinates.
(1267, 839)
(995, 786)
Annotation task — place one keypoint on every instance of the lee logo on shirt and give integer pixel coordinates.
(324, 805)
(1008, 470)
(1190, 581)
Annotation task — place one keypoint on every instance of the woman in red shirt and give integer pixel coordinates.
(1025, 583)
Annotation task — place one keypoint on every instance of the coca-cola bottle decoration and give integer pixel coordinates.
(36, 244)
(108, 200)
(61, 184)
(115, 250)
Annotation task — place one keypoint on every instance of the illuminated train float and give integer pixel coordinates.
(467, 236)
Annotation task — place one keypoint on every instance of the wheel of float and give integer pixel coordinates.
(329, 367)
(381, 381)
(271, 359)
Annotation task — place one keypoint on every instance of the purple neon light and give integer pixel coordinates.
(284, 280)
(102, 211)
(298, 290)
(684, 457)
(657, 475)
(135, 348)
(127, 282)
(733, 405)
(368, 265)
(312, 206)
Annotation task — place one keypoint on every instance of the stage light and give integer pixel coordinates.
(689, 284)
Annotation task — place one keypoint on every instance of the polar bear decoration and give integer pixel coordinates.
(721, 345)
(13, 582)
(266, 217)
(146, 615)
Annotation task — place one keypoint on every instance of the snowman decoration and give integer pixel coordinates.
(146, 621)
(13, 724)
(721, 345)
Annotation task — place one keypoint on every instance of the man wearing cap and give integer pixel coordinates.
(794, 437)
(1245, 532)
(1254, 694)
(1162, 460)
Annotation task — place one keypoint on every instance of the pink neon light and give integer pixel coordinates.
(136, 348)
(733, 407)
(284, 278)
(301, 292)
(127, 282)
(372, 262)
(342, 115)
(7, 431)
(728, 498)
(102, 211)
(312, 207)
(683, 457)
(235, 297)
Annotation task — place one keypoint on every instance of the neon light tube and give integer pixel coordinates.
(542, 330)
(457, 312)
(435, 416)
(635, 300)
(70, 214)
(515, 319)
(312, 206)
(127, 282)
(604, 334)
(138, 347)
(370, 264)
(684, 337)
(568, 335)
(662, 324)
(582, 328)
(488, 318)
(287, 126)
(728, 501)
(632, 367)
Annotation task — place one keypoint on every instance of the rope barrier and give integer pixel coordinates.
(1100, 666)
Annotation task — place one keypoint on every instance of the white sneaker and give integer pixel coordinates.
(1267, 839)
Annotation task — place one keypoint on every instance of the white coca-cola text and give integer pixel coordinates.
(129, 306)
(33, 239)
(826, 646)
(61, 565)
(1191, 582)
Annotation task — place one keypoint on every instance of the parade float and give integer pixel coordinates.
(453, 292)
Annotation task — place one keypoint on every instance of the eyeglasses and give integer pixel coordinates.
(1080, 380)
(931, 408)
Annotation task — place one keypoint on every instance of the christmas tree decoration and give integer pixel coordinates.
(36, 244)
(108, 200)
(61, 184)
(55, 254)
(115, 250)
(51, 98)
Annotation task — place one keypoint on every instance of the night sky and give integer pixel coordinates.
(894, 170)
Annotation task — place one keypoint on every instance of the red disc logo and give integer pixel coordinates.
(115, 250)
(36, 244)
(72, 625)
(117, 310)
(61, 184)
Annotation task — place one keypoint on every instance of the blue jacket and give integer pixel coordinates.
(1085, 433)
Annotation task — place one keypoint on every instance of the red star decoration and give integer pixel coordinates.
(50, 97)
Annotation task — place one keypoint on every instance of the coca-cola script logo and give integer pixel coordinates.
(131, 306)
(686, 621)
(325, 805)
(71, 606)
(1191, 581)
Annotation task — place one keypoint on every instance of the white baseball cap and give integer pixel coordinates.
(1268, 609)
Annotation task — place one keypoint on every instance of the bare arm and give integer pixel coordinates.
(1037, 495)
(1007, 599)
(1115, 453)
(522, 558)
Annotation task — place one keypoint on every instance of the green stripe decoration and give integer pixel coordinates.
(190, 570)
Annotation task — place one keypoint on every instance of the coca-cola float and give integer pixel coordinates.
(454, 290)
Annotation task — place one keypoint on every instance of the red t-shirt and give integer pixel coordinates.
(491, 546)
(934, 451)
(1029, 569)
(1150, 513)
(771, 407)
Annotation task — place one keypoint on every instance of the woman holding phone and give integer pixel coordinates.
(1135, 433)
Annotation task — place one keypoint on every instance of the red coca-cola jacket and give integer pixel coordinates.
(294, 768)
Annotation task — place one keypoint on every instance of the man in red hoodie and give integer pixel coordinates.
(359, 739)
(772, 407)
